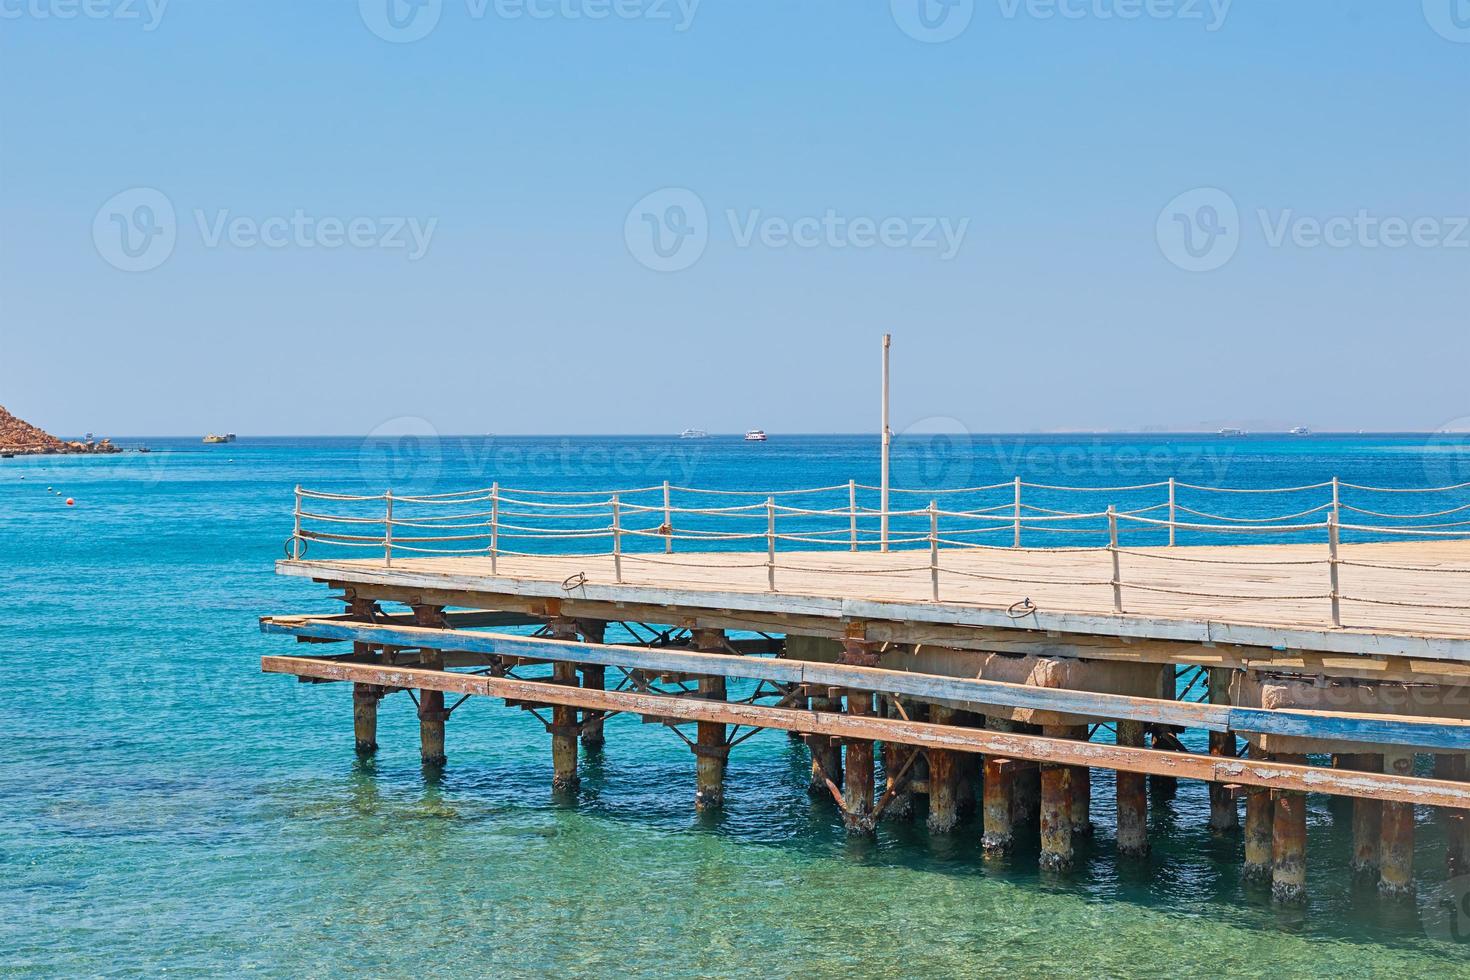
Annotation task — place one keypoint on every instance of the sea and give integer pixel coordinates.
(166, 807)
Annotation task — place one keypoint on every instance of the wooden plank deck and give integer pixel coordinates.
(1250, 594)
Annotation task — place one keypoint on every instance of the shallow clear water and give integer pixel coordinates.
(167, 806)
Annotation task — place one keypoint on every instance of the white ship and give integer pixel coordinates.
(694, 434)
(755, 435)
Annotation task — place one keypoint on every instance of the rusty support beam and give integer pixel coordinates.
(1224, 814)
(564, 728)
(1080, 792)
(1289, 842)
(858, 770)
(1367, 821)
(899, 763)
(1396, 843)
(944, 778)
(710, 748)
(1056, 807)
(1132, 796)
(431, 701)
(1260, 812)
(594, 677)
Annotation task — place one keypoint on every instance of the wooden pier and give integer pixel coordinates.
(996, 678)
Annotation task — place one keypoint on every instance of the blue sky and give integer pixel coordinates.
(640, 215)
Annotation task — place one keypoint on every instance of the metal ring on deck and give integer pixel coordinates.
(574, 581)
(292, 553)
(1021, 609)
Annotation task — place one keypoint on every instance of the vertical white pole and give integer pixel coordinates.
(1173, 511)
(852, 514)
(388, 529)
(1337, 498)
(668, 522)
(1016, 541)
(617, 529)
(887, 440)
(934, 550)
(1332, 566)
(771, 543)
(494, 527)
(296, 535)
(1113, 549)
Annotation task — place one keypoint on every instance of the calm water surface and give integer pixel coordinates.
(166, 806)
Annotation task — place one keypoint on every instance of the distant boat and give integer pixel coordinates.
(694, 434)
(215, 440)
(1301, 430)
(1232, 433)
(755, 435)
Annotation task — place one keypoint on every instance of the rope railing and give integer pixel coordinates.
(637, 523)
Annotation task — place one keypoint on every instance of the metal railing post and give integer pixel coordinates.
(296, 534)
(1016, 541)
(1332, 567)
(771, 543)
(934, 550)
(617, 535)
(1173, 511)
(1337, 498)
(852, 514)
(1113, 550)
(668, 522)
(494, 527)
(388, 529)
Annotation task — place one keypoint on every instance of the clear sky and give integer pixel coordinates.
(566, 216)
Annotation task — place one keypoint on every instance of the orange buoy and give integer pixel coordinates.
(70, 502)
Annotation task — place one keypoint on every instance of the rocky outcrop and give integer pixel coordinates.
(20, 438)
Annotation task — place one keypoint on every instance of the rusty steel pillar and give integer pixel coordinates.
(858, 771)
(594, 678)
(1396, 841)
(826, 752)
(1289, 842)
(1367, 820)
(997, 791)
(1027, 785)
(710, 748)
(365, 698)
(944, 778)
(898, 766)
(1224, 814)
(431, 703)
(1456, 821)
(1260, 811)
(1132, 797)
(1080, 783)
(564, 728)
(1056, 808)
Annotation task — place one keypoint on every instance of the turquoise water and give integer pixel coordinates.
(166, 806)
